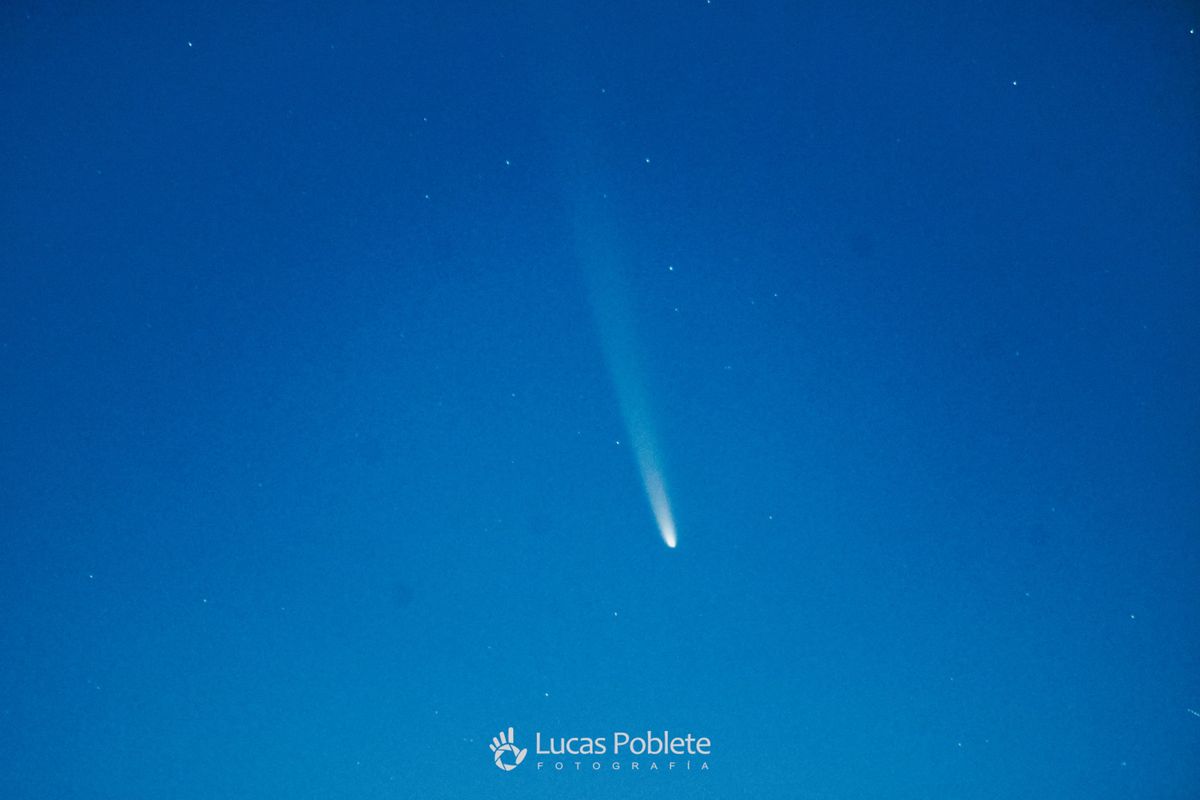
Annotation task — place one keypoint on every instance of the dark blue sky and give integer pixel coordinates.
(313, 470)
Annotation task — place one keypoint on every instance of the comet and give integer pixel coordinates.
(609, 295)
(656, 492)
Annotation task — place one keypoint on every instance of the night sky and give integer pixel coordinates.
(341, 343)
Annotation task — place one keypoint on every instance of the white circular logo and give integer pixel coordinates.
(505, 751)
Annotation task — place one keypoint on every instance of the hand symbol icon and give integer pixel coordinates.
(505, 744)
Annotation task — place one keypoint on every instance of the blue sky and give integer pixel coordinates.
(314, 462)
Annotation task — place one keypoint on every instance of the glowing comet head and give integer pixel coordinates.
(657, 493)
(666, 526)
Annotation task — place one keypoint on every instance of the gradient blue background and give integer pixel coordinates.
(309, 468)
